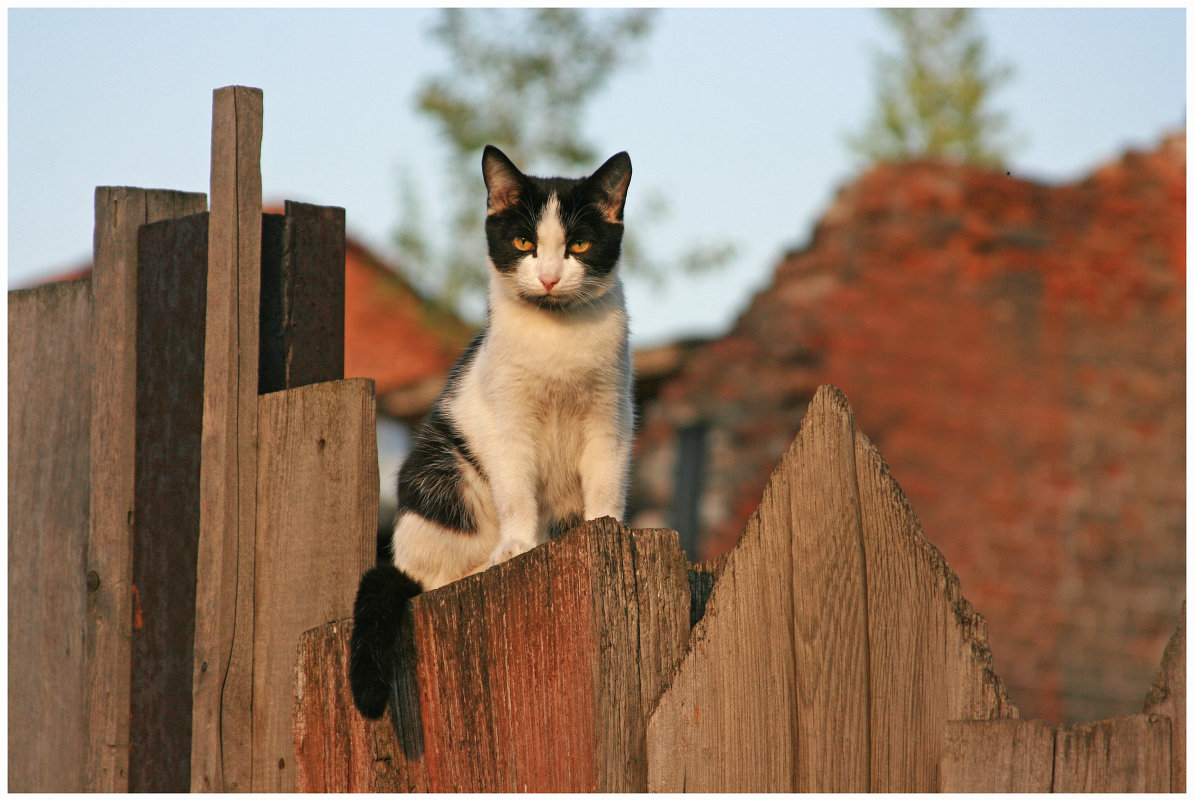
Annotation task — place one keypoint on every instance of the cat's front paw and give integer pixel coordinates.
(508, 549)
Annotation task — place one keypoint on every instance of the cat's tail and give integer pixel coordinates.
(373, 657)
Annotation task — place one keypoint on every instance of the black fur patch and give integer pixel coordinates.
(373, 656)
(430, 479)
(557, 527)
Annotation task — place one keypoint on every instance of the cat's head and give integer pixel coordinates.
(554, 242)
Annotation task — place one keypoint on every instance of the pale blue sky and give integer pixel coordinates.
(737, 118)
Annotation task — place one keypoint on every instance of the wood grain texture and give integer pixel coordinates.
(119, 213)
(302, 297)
(786, 612)
(529, 675)
(997, 756)
(830, 602)
(835, 643)
(317, 498)
(49, 415)
(337, 750)
(1128, 754)
(919, 634)
(171, 301)
(221, 743)
(1168, 697)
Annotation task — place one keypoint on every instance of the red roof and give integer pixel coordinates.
(391, 334)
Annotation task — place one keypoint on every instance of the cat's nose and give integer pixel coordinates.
(548, 283)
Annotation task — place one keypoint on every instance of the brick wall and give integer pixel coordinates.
(1017, 352)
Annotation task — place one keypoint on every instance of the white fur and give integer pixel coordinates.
(545, 408)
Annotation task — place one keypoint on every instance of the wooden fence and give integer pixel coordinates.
(190, 485)
(193, 495)
(830, 651)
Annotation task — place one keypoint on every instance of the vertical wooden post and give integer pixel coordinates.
(119, 212)
(316, 529)
(171, 301)
(221, 746)
(49, 403)
(302, 297)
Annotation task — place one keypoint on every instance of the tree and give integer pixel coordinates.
(520, 80)
(934, 95)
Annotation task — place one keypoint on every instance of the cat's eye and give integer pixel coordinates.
(523, 244)
(580, 246)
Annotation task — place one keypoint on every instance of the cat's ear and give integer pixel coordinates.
(502, 179)
(611, 180)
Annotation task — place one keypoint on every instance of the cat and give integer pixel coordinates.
(531, 434)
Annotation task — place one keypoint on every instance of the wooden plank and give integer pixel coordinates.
(529, 675)
(337, 750)
(171, 301)
(997, 756)
(913, 601)
(119, 213)
(317, 498)
(645, 600)
(1128, 754)
(1168, 697)
(49, 414)
(221, 745)
(772, 694)
(829, 595)
(302, 297)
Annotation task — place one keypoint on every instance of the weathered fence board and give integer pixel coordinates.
(1137, 753)
(171, 305)
(820, 509)
(119, 212)
(317, 501)
(221, 748)
(1168, 697)
(928, 657)
(535, 676)
(997, 756)
(529, 675)
(1122, 755)
(302, 297)
(337, 750)
(878, 647)
(49, 415)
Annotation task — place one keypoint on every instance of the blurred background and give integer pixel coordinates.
(972, 221)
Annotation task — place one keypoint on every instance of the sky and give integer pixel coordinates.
(737, 119)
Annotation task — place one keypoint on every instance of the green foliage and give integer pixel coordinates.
(934, 95)
(520, 80)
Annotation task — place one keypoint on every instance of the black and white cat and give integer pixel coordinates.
(532, 432)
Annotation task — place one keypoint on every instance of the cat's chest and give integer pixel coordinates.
(549, 354)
